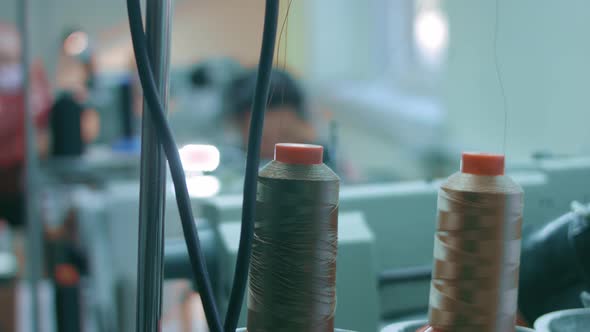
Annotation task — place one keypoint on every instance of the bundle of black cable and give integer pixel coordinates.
(293, 265)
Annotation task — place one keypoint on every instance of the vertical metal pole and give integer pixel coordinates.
(153, 177)
(34, 229)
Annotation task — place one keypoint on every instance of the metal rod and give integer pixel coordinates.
(152, 198)
(34, 229)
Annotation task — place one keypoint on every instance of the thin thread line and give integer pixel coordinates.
(277, 60)
(285, 21)
(498, 74)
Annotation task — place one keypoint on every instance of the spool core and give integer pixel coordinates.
(478, 163)
(299, 154)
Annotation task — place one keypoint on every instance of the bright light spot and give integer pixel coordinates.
(76, 43)
(199, 157)
(8, 264)
(431, 31)
(203, 186)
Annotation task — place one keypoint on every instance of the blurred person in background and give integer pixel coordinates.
(196, 109)
(129, 113)
(12, 131)
(74, 123)
(286, 119)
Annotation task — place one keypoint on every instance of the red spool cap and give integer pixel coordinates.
(66, 275)
(482, 163)
(299, 154)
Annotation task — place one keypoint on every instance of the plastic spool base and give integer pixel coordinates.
(564, 321)
(413, 326)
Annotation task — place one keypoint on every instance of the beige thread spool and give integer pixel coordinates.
(474, 284)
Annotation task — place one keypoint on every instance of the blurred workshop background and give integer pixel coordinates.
(394, 90)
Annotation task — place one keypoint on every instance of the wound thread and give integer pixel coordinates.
(293, 265)
(476, 254)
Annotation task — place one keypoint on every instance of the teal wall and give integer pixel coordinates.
(544, 55)
(338, 40)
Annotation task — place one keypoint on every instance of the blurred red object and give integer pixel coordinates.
(520, 321)
(12, 131)
(66, 275)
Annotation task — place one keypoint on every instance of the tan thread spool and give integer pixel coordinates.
(474, 284)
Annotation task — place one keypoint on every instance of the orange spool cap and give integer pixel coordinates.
(482, 163)
(299, 154)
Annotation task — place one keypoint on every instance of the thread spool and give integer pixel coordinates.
(293, 266)
(477, 249)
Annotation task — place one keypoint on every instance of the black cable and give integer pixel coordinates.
(252, 163)
(183, 200)
(178, 177)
